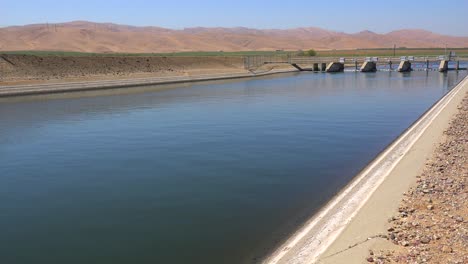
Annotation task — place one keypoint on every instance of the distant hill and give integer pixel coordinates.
(107, 37)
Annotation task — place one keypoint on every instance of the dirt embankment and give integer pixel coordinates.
(30, 69)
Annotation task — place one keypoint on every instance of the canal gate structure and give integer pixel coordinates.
(362, 64)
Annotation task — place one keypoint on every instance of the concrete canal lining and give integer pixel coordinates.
(314, 242)
(367, 229)
(32, 89)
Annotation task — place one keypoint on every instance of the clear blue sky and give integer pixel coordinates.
(340, 15)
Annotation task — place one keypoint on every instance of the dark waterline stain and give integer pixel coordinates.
(216, 172)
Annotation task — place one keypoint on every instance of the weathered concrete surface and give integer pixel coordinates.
(405, 66)
(443, 66)
(369, 66)
(335, 67)
(357, 216)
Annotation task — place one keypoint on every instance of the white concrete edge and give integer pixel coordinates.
(122, 80)
(335, 223)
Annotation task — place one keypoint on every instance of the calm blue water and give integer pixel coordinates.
(213, 172)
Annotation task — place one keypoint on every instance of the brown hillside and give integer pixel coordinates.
(106, 37)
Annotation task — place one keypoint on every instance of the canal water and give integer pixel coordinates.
(215, 172)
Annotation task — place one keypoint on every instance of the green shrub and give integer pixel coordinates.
(311, 53)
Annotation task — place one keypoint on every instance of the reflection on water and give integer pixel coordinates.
(216, 172)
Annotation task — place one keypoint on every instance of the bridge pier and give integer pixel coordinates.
(369, 66)
(443, 66)
(405, 66)
(324, 67)
(335, 67)
(315, 67)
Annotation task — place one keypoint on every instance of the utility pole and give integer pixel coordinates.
(394, 48)
(445, 49)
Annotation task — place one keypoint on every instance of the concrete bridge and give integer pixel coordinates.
(362, 64)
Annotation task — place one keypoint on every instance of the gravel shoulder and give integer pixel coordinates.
(431, 225)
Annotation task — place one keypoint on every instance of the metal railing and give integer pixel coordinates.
(251, 62)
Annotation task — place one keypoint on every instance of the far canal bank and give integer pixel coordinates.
(29, 75)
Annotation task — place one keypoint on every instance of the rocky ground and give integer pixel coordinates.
(21, 68)
(432, 221)
(32, 69)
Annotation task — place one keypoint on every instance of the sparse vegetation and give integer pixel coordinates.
(389, 52)
(172, 54)
(323, 53)
(299, 53)
(311, 53)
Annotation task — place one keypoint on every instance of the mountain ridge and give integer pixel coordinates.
(88, 36)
